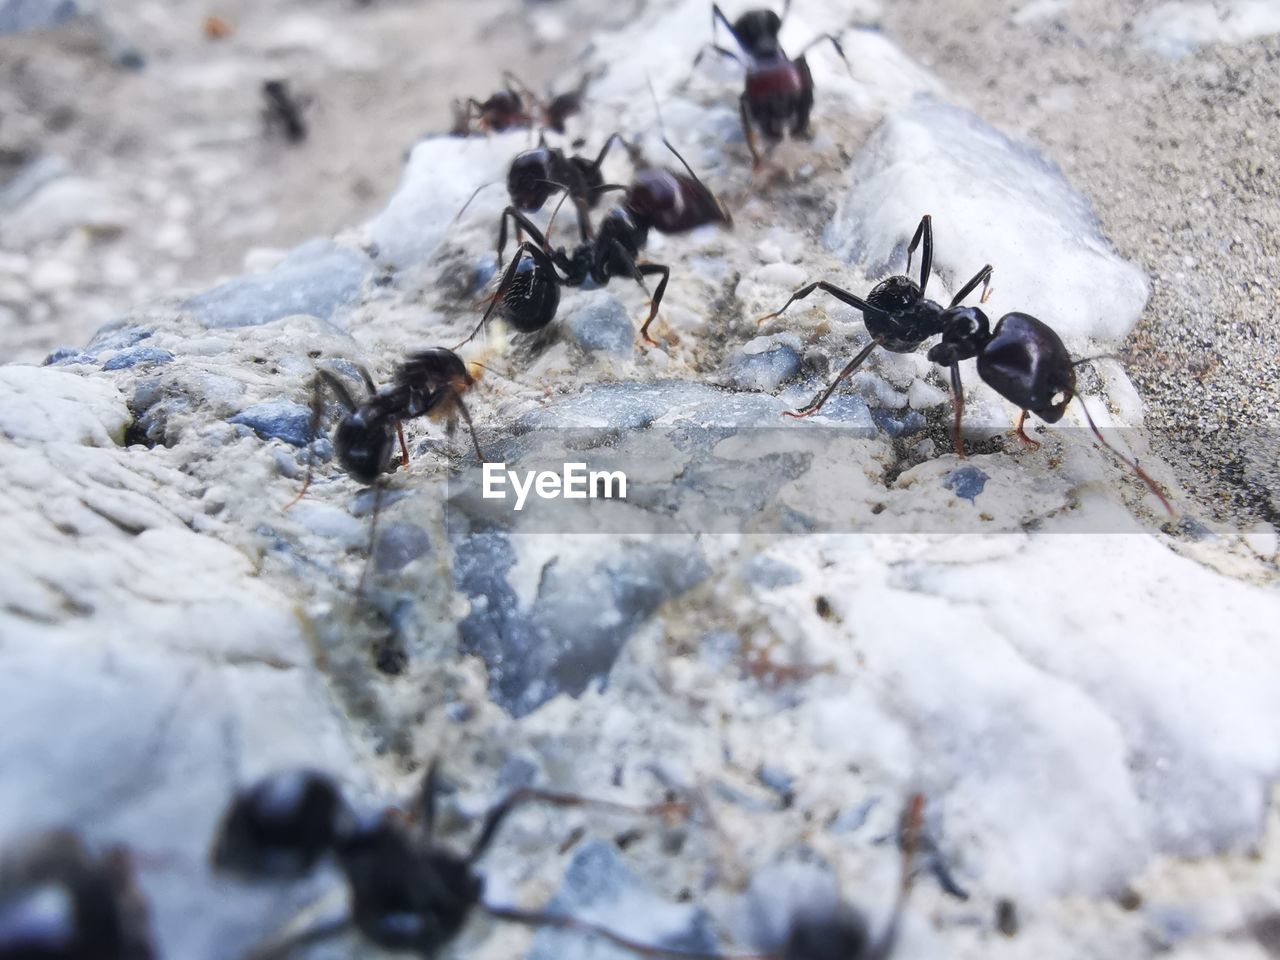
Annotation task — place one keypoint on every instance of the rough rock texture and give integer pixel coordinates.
(797, 623)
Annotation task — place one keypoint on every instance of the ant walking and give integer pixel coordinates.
(406, 891)
(1022, 359)
(409, 893)
(538, 173)
(59, 901)
(778, 96)
(516, 106)
(430, 383)
(657, 199)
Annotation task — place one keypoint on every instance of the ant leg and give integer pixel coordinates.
(404, 448)
(983, 277)
(716, 48)
(843, 375)
(909, 830)
(284, 946)
(835, 42)
(957, 402)
(521, 221)
(528, 795)
(748, 130)
(1133, 464)
(466, 415)
(656, 301)
(565, 922)
(427, 797)
(373, 536)
(322, 378)
(843, 295)
(604, 151)
(925, 231)
(1022, 434)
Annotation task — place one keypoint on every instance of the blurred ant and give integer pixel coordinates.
(1022, 359)
(516, 106)
(284, 110)
(657, 199)
(429, 383)
(60, 902)
(406, 891)
(843, 934)
(779, 90)
(538, 173)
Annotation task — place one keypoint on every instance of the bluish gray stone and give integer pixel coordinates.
(572, 631)
(131, 358)
(277, 419)
(318, 279)
(598, 885)
(67, 356)
(764, 571)
(602, 325)
(118, 335)
(19, 15)
(897, 423)
(966, 482)
(399, 544)
(766, 370)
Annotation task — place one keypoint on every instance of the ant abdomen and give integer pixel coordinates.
(531, 299)
(1027, 363)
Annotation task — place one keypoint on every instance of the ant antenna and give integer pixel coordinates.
(1133, 464)
(499, 373)
(1100, 356)
(552, 222)
(474, 194)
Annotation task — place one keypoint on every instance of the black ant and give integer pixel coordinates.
(283, 110)
(406, 891)
(1022, 359)
(538, 173)
(516, 106)
(429, 383)
(779, 90)
(657, 199)
(58, 901)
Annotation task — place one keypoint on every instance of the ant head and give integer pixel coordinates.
(363, 442)
(965, 331)
(528, 181)
(757, 31)
(281, 826)
(405, 896)
(828, 935)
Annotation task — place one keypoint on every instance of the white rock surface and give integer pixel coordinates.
(1180, 27)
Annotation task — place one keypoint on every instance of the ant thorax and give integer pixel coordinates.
(774, 76)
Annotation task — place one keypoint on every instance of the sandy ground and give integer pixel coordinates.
(1180, 160)
(1178, 157)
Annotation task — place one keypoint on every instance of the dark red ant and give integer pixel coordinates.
(58, 901)
(406, 891)
(538, 173)
(657, 199)
(779, 91)
(1022, 359)
(429, 383)
(516, 106)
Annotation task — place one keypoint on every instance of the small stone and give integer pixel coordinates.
(602, 325)
(277, 419)
(398, 545)
(966, 482)
(138, 355)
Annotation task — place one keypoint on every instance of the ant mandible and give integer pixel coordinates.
(1022, 359)
(429, 383)
(406, 891)
(96, 912)
(657, 199)
(779, 90)
(538, 173)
